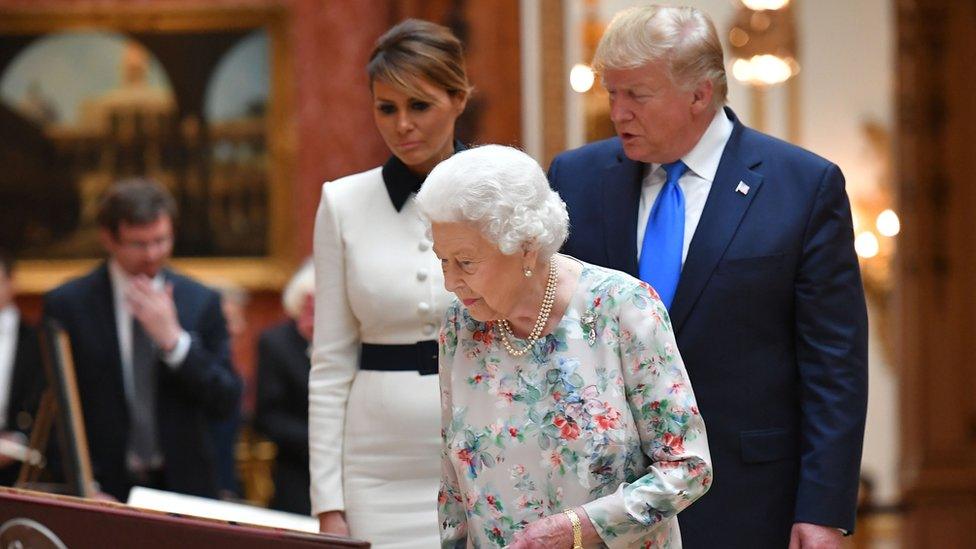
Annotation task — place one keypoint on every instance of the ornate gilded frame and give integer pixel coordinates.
(268, 272)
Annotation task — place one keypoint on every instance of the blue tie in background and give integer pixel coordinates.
(664, 237)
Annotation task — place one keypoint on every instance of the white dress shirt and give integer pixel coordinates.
(123, 325)
(696, 182)
(9, 324)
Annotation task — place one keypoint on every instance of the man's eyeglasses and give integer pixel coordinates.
(146, 245)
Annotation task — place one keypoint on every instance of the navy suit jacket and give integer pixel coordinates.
(202, 388)
(26, 384)
(770, 320)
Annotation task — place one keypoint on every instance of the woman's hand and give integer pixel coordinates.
(555, 532)
(333, 522)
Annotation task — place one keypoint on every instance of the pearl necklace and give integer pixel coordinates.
(548, 299)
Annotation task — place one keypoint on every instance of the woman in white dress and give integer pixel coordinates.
(374, 414)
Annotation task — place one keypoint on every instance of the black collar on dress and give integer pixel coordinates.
(401, 182)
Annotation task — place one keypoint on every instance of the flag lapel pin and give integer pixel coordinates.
(742, 188)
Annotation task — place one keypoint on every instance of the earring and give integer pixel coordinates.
(527, 272)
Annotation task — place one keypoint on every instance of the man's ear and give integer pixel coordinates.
(702, 96)
(107, 239)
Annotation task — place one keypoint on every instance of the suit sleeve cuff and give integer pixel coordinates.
(174, 359)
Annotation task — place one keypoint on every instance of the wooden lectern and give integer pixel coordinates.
(43, 520)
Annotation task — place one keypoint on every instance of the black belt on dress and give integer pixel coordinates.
(420, 356)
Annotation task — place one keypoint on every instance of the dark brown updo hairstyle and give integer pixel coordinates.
(419, 49)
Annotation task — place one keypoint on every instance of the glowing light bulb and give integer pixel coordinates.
(762, 69)
(581, 78)
(888, 223)
(866, 245)
(765, 4)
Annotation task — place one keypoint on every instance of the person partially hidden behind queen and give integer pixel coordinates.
(568, 416)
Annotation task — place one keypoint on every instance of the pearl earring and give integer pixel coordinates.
(527, 272)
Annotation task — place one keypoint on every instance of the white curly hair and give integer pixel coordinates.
(302, 283)
(503, 192)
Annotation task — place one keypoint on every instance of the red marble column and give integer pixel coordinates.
(336, 136)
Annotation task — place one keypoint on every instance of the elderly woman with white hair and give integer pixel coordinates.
(568, 417)
(281, 413)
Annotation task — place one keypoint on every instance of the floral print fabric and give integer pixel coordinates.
(600, 413)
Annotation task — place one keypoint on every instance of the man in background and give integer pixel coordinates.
(150, 350)
(282, 400)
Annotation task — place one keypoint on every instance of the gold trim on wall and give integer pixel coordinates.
(553, 80)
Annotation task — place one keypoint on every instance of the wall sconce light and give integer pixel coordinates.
(876, 226)
(765, 4)
(581, 78)
(763, 43)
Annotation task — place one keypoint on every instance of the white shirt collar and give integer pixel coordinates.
(9, 316)
(704, 158)
(121, 279)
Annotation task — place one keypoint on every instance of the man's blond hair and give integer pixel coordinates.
(684, 38)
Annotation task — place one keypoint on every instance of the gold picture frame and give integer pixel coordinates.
(266, 271)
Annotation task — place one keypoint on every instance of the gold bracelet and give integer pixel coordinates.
(577, 529)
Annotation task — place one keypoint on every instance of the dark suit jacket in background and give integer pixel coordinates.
(771, 323)
(202, 388)
(282, 412)
(26, 384)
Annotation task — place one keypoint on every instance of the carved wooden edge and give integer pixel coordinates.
(8, 495)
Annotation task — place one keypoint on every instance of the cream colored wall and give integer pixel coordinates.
(846, 78)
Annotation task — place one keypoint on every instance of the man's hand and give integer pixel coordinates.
(333, 522)
(813, 536)
(155, 310)
(15, 438)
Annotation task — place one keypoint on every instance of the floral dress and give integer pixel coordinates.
(599, 413)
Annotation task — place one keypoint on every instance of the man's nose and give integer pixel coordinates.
(619, 112)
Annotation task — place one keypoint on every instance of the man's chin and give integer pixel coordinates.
(150, 272)
(633, 151)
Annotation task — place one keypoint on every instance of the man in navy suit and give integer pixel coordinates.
(749, 242)
(281, 412)
(150, 349)
(21, 373)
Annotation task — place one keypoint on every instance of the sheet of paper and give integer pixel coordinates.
(170, 502)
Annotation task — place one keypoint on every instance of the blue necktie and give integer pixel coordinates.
(660, 259)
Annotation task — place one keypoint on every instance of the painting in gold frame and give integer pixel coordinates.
(189, 104)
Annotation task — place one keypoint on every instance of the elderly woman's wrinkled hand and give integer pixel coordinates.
(552, 532)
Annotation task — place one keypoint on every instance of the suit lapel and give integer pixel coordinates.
(102, 305)
(169, 277)
(621, 197)
(723, 212)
